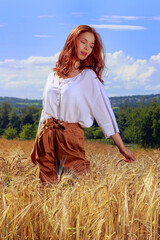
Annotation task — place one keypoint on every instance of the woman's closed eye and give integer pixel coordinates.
(86, 43)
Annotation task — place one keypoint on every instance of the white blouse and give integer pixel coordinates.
(79, 99)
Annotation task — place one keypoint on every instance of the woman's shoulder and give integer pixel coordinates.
(51, 74)
(90, 71)
(91, 80)
(50, 77)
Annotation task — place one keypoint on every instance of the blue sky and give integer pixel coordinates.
(33, 32)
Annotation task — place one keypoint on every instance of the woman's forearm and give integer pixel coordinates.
(129, 156)
(118, 141)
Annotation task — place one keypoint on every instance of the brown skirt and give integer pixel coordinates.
(59, 145)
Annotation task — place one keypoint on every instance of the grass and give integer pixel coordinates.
(118, 201)
(28, 103)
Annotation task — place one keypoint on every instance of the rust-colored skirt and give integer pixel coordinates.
(59, 145)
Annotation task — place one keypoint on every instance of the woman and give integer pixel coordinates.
(73, 96)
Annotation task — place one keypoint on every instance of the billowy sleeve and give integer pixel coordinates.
(103, 112)
(42, 117)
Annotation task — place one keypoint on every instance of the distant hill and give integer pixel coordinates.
(117, 102)
(20, 102)
(135, 100)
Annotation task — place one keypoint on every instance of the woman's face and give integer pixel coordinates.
(85, 44)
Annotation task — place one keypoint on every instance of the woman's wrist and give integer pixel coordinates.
(129, 156)
(118, 141)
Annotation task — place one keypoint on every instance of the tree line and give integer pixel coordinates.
(140, 125)
(18, 122)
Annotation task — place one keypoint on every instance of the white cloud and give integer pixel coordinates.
(2, 24)
(7, 77)
(20, 77)
(118, 27)
(155, 59)
(42, 36)
(38, 60)
(153, 88)
(120, 18)
(132, 74)
(32, 61)
(46, 16)
(26, 77)
(79, 13)
(156, 18)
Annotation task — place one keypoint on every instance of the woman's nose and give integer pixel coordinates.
(86, 46)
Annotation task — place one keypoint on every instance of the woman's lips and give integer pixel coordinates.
(84, 53)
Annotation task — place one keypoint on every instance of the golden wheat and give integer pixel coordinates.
(118, 201)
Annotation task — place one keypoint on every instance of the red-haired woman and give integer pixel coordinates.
(73, 97)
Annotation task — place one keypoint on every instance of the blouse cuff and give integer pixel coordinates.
(109, 130)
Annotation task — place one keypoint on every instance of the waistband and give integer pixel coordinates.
(57, 121)
(44, 139)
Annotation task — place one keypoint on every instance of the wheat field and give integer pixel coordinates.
(118, 201)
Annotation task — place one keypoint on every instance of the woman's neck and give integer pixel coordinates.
(76, 64)
(75, 70)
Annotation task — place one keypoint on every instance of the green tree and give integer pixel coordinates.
(98, 134)
(5, 109)
(88, 132)
(156, 131)
(14, 120)
(30, 115)
(143, 125)
(155, 115)
(28, 132)
(10, 133)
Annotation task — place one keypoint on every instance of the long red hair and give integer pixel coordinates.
(95, 61)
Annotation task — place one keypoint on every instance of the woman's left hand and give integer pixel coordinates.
(129, 156)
